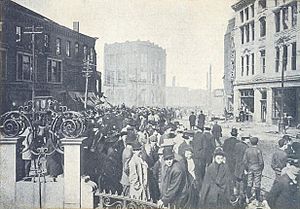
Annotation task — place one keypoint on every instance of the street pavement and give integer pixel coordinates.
(268, 136)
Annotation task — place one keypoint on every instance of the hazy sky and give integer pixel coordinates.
(191, 31)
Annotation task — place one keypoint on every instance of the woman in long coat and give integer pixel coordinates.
(217, 187)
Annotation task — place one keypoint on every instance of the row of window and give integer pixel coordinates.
(283, 21)
(248, 61)
(25, 69)
(245, 32)
(286, 17)
(118, 77)
(58, 45)
(244, 14)
(119, 60)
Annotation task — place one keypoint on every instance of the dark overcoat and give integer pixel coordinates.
(284, 194)
(175, 186)
(239, 152)
(228, 147)
(216, 188)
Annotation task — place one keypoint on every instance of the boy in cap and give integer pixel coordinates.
(254, 165)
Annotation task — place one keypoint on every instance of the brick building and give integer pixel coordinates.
(135, 73)
(59, 55)
(267, 43)
(229, 65)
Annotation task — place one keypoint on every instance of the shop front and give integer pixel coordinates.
(291, 103)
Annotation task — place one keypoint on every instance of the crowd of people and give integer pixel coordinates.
(146, 154)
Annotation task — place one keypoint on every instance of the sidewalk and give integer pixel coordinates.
(259, 129)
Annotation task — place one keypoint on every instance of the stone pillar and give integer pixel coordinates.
(269, 105)
(236, 102)
(257, 106)
(290, 16)
(7, 172)
(72, 182)
(250, 32)
(281, 20)
(289, 57)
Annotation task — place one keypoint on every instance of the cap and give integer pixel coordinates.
(281, 142)
(234, 132)
(254, 140)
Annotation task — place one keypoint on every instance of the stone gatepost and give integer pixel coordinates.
(7, 172)
(72, 182)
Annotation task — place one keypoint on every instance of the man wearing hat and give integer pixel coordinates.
(217, 132)
(138, 175)
(203, 147)
(229, 147)
(201, 121)
(188, 137)
(175, 182)
(216, 190)
(126, 156)
(285, 192)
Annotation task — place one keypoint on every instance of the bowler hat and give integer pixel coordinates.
(136, 146)
(234, 132)
(207, 128)
(219, 151)
(168, 153)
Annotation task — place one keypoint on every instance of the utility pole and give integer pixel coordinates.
(282, 43)
(209, 89)
(281, 122)
(33, 31)
(87, 74)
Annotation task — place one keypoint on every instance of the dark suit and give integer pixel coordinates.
(201, 121)
(228, 148)
(203, 145)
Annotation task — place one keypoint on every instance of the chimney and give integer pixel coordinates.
(76, 26)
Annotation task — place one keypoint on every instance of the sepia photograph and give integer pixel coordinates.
(139, 104)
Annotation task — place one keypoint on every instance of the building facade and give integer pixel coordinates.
(135, 73)
(267, 43)
(55, 70)
(229, 65)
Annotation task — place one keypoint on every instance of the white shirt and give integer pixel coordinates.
(191, 167)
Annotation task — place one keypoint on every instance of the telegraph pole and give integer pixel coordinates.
(33, 31)
(87, 74)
